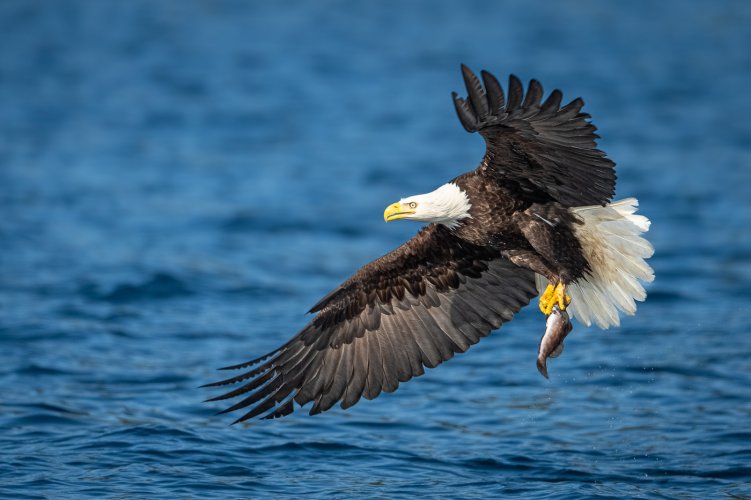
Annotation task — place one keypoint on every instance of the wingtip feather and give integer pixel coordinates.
(476, 94)
(496, 98)
(515, 93)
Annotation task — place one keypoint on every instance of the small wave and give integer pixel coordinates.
(259, 291)
(252, 222)
(51, 408)
(42, 419)
(159, 286)
(35, 369)
(729, 473)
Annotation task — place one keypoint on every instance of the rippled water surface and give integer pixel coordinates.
(181, 181)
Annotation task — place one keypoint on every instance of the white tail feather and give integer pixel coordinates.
(611, 240)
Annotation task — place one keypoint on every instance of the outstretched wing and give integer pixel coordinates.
(430, 298)
(547, 151)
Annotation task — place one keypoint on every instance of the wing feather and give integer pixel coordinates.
(477, 94)
(374, 380)
(533, 98)
(515, 94)
(356, 385)
(329, 396)
(389, 363)
(495, 92)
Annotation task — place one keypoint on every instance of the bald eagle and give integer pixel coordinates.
(534, 217)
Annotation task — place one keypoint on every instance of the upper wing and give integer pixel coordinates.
(548, 151)
(418, 305)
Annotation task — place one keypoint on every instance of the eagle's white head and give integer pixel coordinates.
(446, 205)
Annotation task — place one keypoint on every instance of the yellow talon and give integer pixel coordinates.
(545, 298)
(552, 296)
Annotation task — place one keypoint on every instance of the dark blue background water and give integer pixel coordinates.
(180, 181)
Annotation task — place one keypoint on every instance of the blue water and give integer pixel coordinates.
(181, 181)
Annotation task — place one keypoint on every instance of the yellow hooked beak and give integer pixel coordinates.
(396, 211)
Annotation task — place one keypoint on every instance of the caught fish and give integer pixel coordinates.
(557, 326)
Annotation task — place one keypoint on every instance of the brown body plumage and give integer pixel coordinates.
(446, 288)
(531, 234)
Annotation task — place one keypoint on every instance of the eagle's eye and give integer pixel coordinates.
(412, 204)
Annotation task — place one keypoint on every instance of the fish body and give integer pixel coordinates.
(557, 326)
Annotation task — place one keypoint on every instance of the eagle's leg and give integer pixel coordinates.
(554, 295)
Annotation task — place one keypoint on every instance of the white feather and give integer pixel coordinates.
(611, 240)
